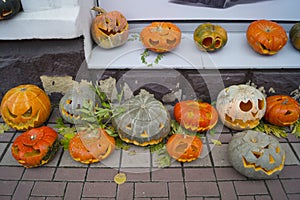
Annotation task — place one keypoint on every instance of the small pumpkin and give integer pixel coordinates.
(256, 155)
(25, 106)
(209, 37)
(35, 147)
(294, 34)
(9, 8)
(241, 106)
(161, 37)
(195, 116)
(91, 147)
(109, 29)
(282, 110)
(183, 147)
(266, 37)
(144, 120)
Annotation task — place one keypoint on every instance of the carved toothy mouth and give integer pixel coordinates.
(240, 123)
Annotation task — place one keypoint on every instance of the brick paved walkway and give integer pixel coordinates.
(210, 177)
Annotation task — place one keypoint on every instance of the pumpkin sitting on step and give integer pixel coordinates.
(25, 106)
(256, 155)
(35, 147)
(9, 8)
(294, 34)
(144, 121)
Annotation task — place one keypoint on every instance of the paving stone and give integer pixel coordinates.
(292, 138)
(228, 173)
(23, 190)
(7, 187)
(37, 198)
(6, 137)
(136, 157)
(194, 198)
(250, 187)
(151, 189)
(70, 174)
(101, 174)
(296, 147)
(202, 161)
(137, 174)
(291, 171)
(2, 148)
(167, 174)
(227, 190)
(54, 115)
(219, 154)
(291, 185)
(203, 189)
(225, 138)
(155, 161)
(40, 173)
(67, 161)
(290, 159)
(246, 197)
(99, 189)
(263, 197)
(294, 196)
(112, 161)
(176, 190)
(11, 173)
(199, 174)
(54, 198)
(5, 197)
(48, 189)
(8, 159)
(276, 190)
(125, 191)
(73, 191)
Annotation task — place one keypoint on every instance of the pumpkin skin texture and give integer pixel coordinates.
(282, 110)
(9, 8)
(161, 37)
(74, 99)
(256, 155)
(87, 150)
(25, 107)
(145, 121)
(184, 148)
(109, 29)
(241, 107)
(35, 147)
(294, 35)
(266, 37)
(209, 37)
(195, 116)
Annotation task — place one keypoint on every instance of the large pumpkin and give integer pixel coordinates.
(71, 103)
(295, 35)
(9, 8)
(144, 121)
(25, 107)
(266, 37)
(184, 148)
(91, 147)
(209, 37)
(195, 116)
(241, 106)
(282, 110)
(109, 29)
(256, 155)
(35, 147)
(161, 36)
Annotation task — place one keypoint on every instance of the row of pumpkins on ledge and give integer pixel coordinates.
(144, 120)
(111, 29)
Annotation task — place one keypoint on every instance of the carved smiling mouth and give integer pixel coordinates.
(240, 123)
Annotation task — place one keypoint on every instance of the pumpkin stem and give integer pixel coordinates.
(285, 101)
(33, 137)
(253, 140)
(99, 10)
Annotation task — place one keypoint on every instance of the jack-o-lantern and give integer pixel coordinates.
(184, 148)
(91, 146)
(71, 103)
(9, 8)
(256, 155)
(35, 147)
(25, 107)
(294, 35)
(241, 106)
(109, 29)
(195, 116)
(144, 121)
(161, 36)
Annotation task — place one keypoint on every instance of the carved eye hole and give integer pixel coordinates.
(246, 106)
(171, 42)
(261, 104)
(11, 114)
(154, 43)
(257, 154)
(69, 101)
(28, 113)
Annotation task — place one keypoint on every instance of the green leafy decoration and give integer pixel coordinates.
(296, 129)
(120, 144)
(271, 129)
(134, 37)
(67, 132)
(146, 54)
(163, 159)
(216, 142)
(3, 127)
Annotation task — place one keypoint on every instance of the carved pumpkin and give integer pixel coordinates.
(35, 147)
(256, 155)
(145, 121)
(266, 37)
(74, 99)
(184, 148)
(295, 35)
(25, 107)
(195, 116)
(161, 36)
(109, 29)
(9, 8)
(87, 147)
(210, 37)
(241, 106)
(282, 110)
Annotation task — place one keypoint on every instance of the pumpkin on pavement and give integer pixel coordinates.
(295, 35)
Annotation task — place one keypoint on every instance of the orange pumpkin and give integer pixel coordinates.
(161, 37)
(25, 107)
(184, 148)
(35, 147)
(109, 29)
(282, 110)
(91, 147)
(195, 116)
(266, 37)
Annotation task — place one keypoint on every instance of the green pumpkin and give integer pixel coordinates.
(9, 8)
(144, 121)
(256, 155)
(295, 35)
